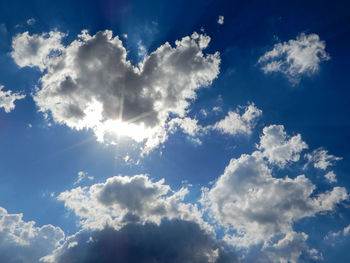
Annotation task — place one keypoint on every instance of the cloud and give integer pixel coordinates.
(331, 177)
(169, 242)
(338, 236)
(31, 21)
(221, 20)
(123, 198)
(81, 176)
(278, 147)
(235, 123)
(23, 242)
(321, 159)
(36, 50)
(295, 58)
(257, 209)
(90, 83)
(8, 98)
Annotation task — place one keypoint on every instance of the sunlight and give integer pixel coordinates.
(113, 128)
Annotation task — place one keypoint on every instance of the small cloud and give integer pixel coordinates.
(31, 21)
(295, 58)
(221, 20)
(81, 176)
(331, 177)
(235, 123)
(321, 159)
(8, 98)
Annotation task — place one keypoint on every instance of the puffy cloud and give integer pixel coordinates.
(331, 177)
(295, 57)
(123, 199)
(188, 125)
(36, 50)
(23, 242)
(278, 147)
(290, 248)
(236, 123)
(221, 20)
(321, 159)
(257, 209)
(90, 83)
(169, 242)
(8, 98)
(259, 206)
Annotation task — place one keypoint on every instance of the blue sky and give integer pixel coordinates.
(229, 119)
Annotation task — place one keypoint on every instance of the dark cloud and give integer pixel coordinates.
(171, 242)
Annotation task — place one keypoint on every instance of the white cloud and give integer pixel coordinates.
(295, 57)
(90, 83)
(334, 236)
(31, 21)
(331, 177)
(7, 99)
(23, 242)
(221, 20)
(278, 147)
(188, 125)
(122, 199)
(236, 123)
(261, 209)
(36, 50)
(257, 209)
(321, 159)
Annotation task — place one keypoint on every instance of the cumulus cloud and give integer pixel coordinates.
(259, 206)
(278, 147)
(235, 123)
(90, 83)
(122, 199)
(295, 58)
(320, 159)
(23, 242)
(255, 208)
(169, 242)
(221, 20)
(36, 50)
(8, 98)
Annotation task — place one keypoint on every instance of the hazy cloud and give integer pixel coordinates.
(320, 159)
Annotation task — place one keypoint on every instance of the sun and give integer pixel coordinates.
(113, 128)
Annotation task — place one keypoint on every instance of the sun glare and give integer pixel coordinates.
(113, 129)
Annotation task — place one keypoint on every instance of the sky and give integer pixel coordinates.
(174, 131)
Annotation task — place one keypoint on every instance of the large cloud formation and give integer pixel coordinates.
(91, 84)
(295, 58)
(170, 242)
(255, 207)
(23, 242)
(124, 199)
